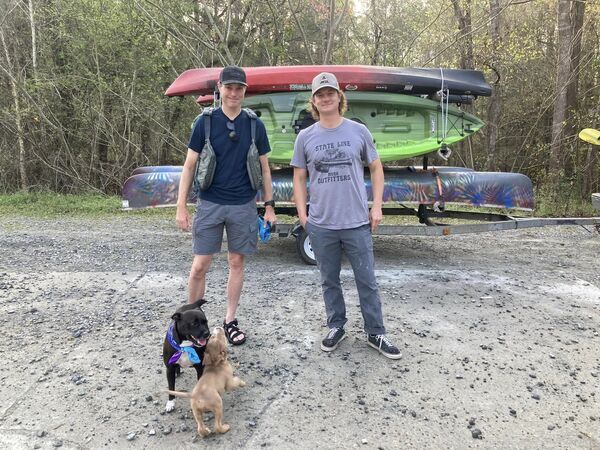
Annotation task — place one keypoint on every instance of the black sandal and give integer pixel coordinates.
(232, 331)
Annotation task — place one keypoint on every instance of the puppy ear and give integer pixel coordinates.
(199, 303)
(223, 351)
(176, 316)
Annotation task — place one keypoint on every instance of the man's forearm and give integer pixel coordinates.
(184, 186)
(267, 183)
(300, 195)
(300, 201)
(377, 182)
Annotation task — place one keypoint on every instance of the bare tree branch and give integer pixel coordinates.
(229, 57)
(181, 25)
(473, 30)
(332, 26)
(301, 28)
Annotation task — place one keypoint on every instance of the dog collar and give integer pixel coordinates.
(190, 350)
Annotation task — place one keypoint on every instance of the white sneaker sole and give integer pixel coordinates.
(387, 355)
(330, 349)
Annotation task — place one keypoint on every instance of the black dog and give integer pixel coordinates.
(189, 324)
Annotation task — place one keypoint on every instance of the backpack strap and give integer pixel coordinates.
(251, 113)
(253, 164)
(207, 112)
(253, 117)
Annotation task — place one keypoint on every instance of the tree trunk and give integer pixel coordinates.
(577, 14)
(24, 180)
(464, 27)
(377, 35)
(590, 177)
(495, 102)
(332, 25)
(563, 73)
(302, 32)
(33, 40)
(463, 16)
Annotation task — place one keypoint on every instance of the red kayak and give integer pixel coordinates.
(415, 81)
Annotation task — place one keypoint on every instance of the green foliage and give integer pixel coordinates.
(93, 108)
(48, 204)
(51, 205)
(566, 202)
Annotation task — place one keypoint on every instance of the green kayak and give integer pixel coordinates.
(403, 126)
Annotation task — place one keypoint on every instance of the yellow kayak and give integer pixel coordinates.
(590, 135)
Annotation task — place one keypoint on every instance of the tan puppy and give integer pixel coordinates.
(217, 378)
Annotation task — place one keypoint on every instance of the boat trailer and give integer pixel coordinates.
(421, 192)
(431, 223)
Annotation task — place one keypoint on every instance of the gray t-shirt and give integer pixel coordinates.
(334, 159)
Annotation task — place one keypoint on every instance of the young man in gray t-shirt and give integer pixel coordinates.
(332, 153)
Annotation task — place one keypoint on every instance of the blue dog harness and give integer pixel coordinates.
(188, 350)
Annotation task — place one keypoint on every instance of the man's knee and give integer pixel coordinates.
(236, 262)
(200, 266)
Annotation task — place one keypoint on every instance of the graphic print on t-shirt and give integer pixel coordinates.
(331, 157)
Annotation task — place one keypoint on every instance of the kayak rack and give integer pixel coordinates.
(431, 223)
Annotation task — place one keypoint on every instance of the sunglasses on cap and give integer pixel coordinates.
(232, 134)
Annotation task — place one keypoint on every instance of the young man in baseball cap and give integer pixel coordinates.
(331, 153)
(230, 201)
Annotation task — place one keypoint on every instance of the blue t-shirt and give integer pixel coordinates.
(231, 184)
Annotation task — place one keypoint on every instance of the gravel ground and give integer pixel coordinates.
(499, 332)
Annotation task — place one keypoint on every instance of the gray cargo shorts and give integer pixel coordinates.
(239, 221)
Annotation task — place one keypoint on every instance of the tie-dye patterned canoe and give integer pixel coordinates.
(158, 186)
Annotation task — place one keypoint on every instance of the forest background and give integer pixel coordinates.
(82, 82)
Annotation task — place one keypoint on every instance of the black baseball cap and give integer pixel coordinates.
(233, 75)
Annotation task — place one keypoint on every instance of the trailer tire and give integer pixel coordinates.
(304, 248)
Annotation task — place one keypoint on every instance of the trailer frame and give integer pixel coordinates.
(430, 225)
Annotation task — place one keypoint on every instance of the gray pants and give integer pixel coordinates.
(357, 244)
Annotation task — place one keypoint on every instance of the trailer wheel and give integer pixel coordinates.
(304, 248)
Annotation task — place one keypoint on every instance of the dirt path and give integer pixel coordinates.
(499, 331)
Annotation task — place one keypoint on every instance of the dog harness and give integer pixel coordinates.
(184, 353)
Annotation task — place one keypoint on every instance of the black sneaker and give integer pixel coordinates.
(383, 345)
(333, 338)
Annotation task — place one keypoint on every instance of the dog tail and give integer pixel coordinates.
(180, 394)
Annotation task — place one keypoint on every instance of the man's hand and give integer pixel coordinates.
(375, 216)
(300, 194)
(303, 222)
(377, 181)
(183, 218)
(270, 215)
